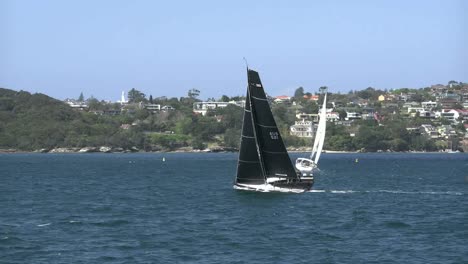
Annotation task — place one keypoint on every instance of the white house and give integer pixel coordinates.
(430, 131)
(167, 108)
(310, 117)
(352, 115)
(153, 107)
(428, 105)
(282, 99)
(415, 109)
(76, 104)
(333, 116)
(302, 128)
(204, 107)
(453, 114)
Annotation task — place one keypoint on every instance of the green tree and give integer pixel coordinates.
(81, 97)
(135, 96)
(299, 93)
(224, 98)
(193, 93)
(232, 138)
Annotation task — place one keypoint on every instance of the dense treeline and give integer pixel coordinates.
(30, 122)
(36, 121)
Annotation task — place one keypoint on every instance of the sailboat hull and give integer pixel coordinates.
(280, 186)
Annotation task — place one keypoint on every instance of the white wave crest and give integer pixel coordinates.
(317, 191)
(342, 191)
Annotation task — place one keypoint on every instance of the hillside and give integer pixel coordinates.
(368, 120)
(35, 121)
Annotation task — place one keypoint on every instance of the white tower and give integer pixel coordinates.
(122, 98)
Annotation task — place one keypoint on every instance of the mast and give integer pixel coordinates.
(259, 152)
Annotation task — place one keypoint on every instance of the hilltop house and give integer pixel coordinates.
(311, 97)
(282, 99)
(77, 105)
(204, 107)
(152, 107)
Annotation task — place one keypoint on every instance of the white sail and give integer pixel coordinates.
(320, 136)
(316, 142)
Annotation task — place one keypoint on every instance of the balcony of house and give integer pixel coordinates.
(302, 128)
(429, 105)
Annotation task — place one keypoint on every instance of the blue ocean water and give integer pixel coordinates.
(135, 208)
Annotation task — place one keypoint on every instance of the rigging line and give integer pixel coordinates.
(257, 98)
(266, 126)
(247, 136)
(252, 118)
(247, 110)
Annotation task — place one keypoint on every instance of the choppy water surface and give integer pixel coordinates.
(134, 208)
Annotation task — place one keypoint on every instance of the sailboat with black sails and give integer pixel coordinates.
(264, 164)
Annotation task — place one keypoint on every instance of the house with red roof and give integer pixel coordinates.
(282, 99)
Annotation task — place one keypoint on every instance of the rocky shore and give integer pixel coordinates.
(106, 149)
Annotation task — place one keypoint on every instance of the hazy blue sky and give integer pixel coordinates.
(61, 48)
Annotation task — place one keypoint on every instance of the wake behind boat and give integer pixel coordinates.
(264, 164)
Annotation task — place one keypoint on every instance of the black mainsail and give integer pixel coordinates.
(262, 152)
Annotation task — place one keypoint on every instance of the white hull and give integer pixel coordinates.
(306, 166)
(266, 187)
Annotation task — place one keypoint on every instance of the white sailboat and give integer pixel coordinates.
(307, 165)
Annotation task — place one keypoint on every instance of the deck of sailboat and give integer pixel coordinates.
(287, 187)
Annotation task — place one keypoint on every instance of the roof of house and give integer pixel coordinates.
(283, 97)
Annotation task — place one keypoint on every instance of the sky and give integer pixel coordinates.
(164, 48)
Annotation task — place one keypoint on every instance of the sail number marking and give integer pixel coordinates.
(274, 135)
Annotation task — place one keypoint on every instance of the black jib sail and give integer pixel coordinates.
(262, 152)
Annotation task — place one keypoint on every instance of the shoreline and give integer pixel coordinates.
(80, 151)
